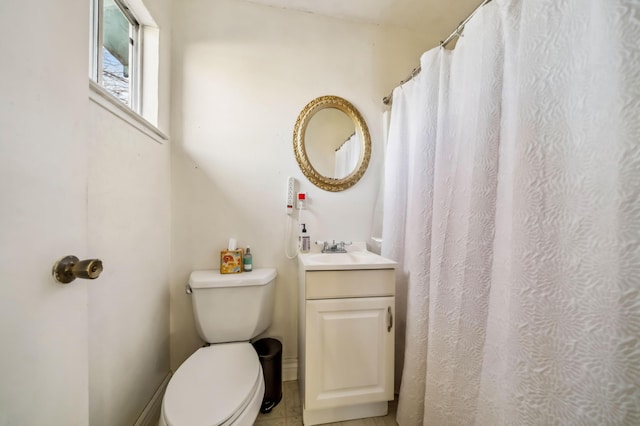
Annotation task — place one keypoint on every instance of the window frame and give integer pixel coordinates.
(146, 117)
(135, 63)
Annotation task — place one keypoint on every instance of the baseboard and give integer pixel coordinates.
(289, 369)
(151, 413)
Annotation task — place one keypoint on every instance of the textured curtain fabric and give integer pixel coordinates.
(512, 203)
(408, 197)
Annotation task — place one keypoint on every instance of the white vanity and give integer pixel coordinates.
(346, 335)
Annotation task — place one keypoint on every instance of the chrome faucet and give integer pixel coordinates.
(333, 247)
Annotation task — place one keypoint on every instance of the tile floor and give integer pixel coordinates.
(289, 412)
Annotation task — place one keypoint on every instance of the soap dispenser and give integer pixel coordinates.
(305, 240)
(247, 261)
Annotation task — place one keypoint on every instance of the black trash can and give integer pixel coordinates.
(270, 353)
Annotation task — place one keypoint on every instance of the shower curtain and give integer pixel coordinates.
(512, 204)
(346, 157)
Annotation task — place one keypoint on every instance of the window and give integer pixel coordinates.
(116, 51)
(124, 65)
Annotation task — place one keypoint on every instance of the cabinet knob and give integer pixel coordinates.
(389, 319)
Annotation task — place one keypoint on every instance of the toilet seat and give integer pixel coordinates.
(214, 386)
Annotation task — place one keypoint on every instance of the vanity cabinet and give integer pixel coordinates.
(346, 343)
(350, 351)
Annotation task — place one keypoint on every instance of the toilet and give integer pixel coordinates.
(222, 384)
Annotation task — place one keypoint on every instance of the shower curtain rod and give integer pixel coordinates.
(387, 100)
(345, 141)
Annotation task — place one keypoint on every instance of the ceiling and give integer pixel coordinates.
(438, 16)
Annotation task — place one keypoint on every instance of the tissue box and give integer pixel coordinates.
(231, 261)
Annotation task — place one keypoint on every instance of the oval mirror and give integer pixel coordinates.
(332, 144)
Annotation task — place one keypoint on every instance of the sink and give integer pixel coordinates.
(342, 261)
(340, 258)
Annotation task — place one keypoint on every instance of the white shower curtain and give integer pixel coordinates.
(346, 157)
(512, 203)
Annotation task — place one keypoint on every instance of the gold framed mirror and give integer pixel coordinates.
(332, 144)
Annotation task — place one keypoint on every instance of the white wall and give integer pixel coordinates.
(129, 229)
(128, 306)
(241, 73)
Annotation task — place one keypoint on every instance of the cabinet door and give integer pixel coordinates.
(349, 351)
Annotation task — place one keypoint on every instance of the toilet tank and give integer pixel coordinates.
(232, 307)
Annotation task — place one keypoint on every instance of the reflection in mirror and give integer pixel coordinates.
(332, 143)
(347, 156)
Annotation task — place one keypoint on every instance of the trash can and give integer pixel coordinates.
(270, 354)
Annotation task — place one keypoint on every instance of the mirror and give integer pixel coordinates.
(332, 144)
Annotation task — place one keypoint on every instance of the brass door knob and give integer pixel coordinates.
(69, 268)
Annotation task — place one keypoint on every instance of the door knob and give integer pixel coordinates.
(69, 268)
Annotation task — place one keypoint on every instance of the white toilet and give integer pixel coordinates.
(222, 384)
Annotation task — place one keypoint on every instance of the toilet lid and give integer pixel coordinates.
(212, 385)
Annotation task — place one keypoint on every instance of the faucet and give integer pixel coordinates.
(333, 247)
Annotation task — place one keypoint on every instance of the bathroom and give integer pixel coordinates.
(157, 202)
